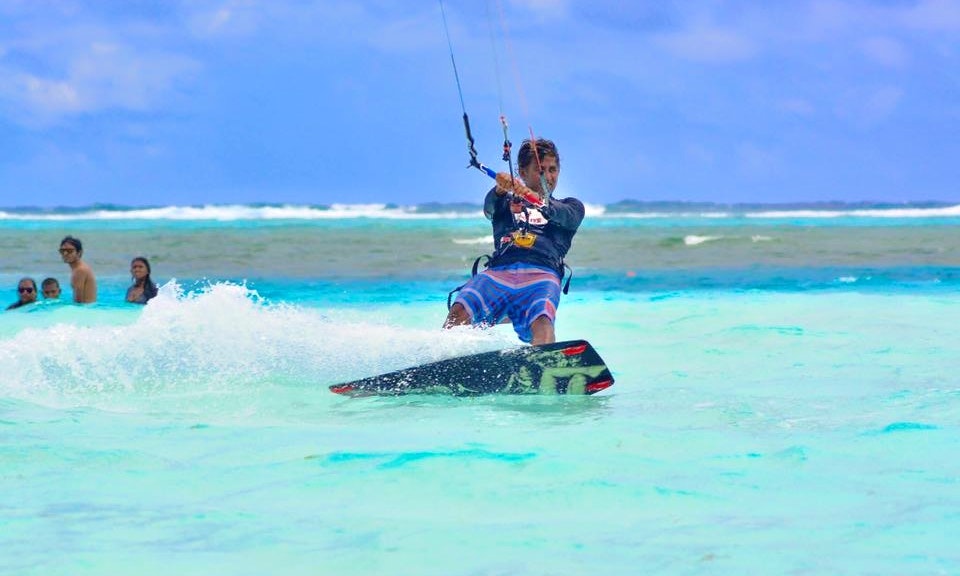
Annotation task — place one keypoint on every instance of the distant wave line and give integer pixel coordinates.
(432, 211)
(472, 241)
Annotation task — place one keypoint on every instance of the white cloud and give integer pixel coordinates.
(98, 76)
(865, 108)
(543, 9)
(233, 18)
(885, 51)
(542, 4)
(220, 18)
(836, 21)
(708, 44)
(826, 17)
(933, 15)
(53, 96)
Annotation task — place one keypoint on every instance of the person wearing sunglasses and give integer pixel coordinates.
(82, 280)
(27, 291)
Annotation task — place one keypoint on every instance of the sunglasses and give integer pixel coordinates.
(67, 250)
(26, 290)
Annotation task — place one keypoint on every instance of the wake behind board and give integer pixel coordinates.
(571, 367)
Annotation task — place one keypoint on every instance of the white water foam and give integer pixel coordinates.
(215, 344)
(943, 212)
(472, 241)
(593, 210)
(222, 213)
(694, 240)
(658, 215)
(341, 211)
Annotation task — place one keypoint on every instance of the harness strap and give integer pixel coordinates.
(564, 268)
(450, 295)
(476, 264)
(473, 272)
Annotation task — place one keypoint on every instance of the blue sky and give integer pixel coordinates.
(143, 102)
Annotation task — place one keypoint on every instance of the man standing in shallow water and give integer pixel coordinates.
(82, 280)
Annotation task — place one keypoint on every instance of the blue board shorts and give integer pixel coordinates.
(521, 291)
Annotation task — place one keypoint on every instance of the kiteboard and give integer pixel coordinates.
(571, 367)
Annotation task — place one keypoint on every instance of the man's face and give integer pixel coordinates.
(51, 291)
(551, 173)
(26, 292)
(69, 253)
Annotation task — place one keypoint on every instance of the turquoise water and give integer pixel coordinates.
(787, 401)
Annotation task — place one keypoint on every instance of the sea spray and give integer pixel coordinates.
(219, 341)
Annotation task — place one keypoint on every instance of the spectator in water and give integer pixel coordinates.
(27, 291)
(50, 288)
(143, 287)
(82, 280)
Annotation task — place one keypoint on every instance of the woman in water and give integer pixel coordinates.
(27, 291)
(143, 288)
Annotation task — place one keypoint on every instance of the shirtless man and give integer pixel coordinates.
(82, 280)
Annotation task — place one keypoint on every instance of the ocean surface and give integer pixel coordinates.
(787, 396)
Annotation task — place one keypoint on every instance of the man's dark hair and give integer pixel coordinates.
(544, 148)
(75, 242)
(50, 281)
